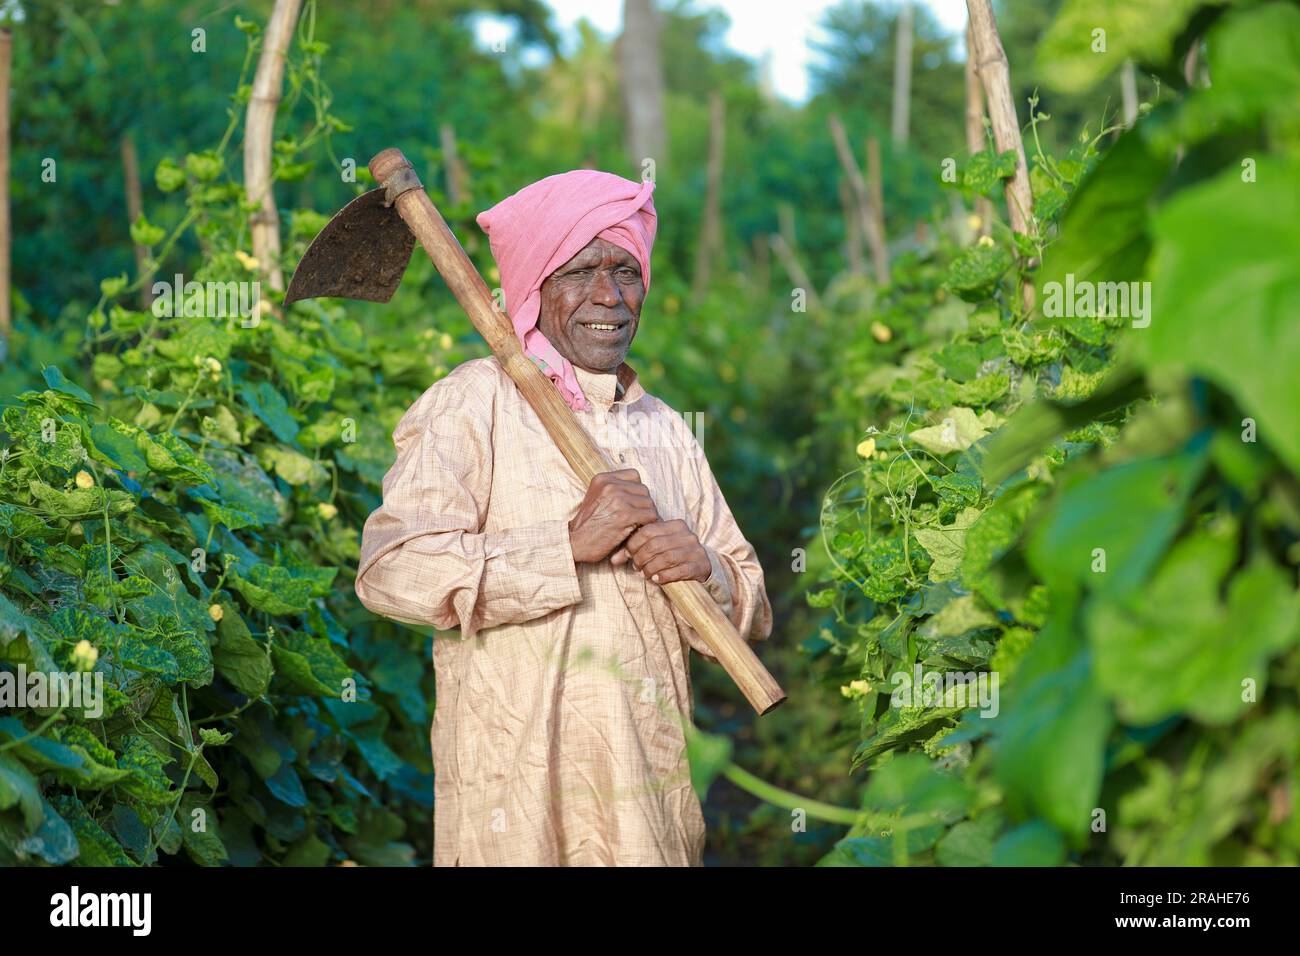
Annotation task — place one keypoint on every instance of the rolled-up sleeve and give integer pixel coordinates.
(736, 580)
(423, 558)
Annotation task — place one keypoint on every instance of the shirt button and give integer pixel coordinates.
(621, 458)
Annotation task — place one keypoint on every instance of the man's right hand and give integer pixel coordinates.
(616, 504)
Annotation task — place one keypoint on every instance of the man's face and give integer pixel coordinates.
(591, 306)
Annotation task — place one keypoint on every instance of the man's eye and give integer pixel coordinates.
(627, 275)
(579, 273)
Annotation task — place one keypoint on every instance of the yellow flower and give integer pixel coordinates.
(974, 222)
(216, 612)
(881, 332)
(85, 480)
(986, 241)
(856, 688)
(326, 510)
(867, 448)
(445, 343)
(248, 262)
(84, 655)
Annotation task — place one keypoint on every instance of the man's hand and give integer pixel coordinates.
(616, 504)
(666, 551)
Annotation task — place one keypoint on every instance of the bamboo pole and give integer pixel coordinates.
(455, 176)
(852, 230)
(6, 320)
(870, 225)
(134, 210)
(902, 76)
(995, 74)
(876, 186)
(711, 227)
(975, 130)
(1129, 93)
(762, 266)
(259, 136)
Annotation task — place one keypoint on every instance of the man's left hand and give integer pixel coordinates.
(665, 551)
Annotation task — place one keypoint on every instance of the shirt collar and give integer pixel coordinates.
(601, 387)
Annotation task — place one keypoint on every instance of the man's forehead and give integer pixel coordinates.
(598, 249)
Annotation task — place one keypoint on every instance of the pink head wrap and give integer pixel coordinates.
(543, 226)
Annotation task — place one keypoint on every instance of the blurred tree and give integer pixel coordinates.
(643, 81)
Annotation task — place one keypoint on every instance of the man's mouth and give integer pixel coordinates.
(604, 328)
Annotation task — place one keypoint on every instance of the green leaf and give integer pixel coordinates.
(113, 446)
(1034, 844)
(969, 843)
(269, 405)
(81, 502)
(143, 233)
(96, 846)
(168, 176)
(946, 544)
(1069, 57)
(55, 380)
(910, 784)
(1052, 737)
(709, 756)
(311, 663)
(273, 589)
(1175, 648)
(148, 782)
(1198, 279)
(959, 616)
(18, 787)
(976, 272)
(959, 429)
(1130, 512)
(205, 166)
(294, 467)
(986, 170)
(1104, 235)
(113, 286)
(238, 657)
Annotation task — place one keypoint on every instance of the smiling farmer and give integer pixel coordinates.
(559, 732)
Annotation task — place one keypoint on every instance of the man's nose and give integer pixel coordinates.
(605, 290)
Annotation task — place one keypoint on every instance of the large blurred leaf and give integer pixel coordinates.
(1175, 648)
(1143, 30)
(1226, 293)
(1130, 512)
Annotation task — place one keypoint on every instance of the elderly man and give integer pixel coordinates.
(559, 733)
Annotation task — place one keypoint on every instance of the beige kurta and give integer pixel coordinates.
(558, 736)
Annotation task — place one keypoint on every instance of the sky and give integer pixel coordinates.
(758, 27)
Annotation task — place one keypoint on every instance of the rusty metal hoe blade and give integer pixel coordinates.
(361, 253)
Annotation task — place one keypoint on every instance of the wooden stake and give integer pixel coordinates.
(852, 230)
(134, 210)
(1129, 93)
(902, 76)
(995, 74)
(975, 141)
(259, 136)
(870, 225)
(876, 185)
(455, 176)
(794, 269)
